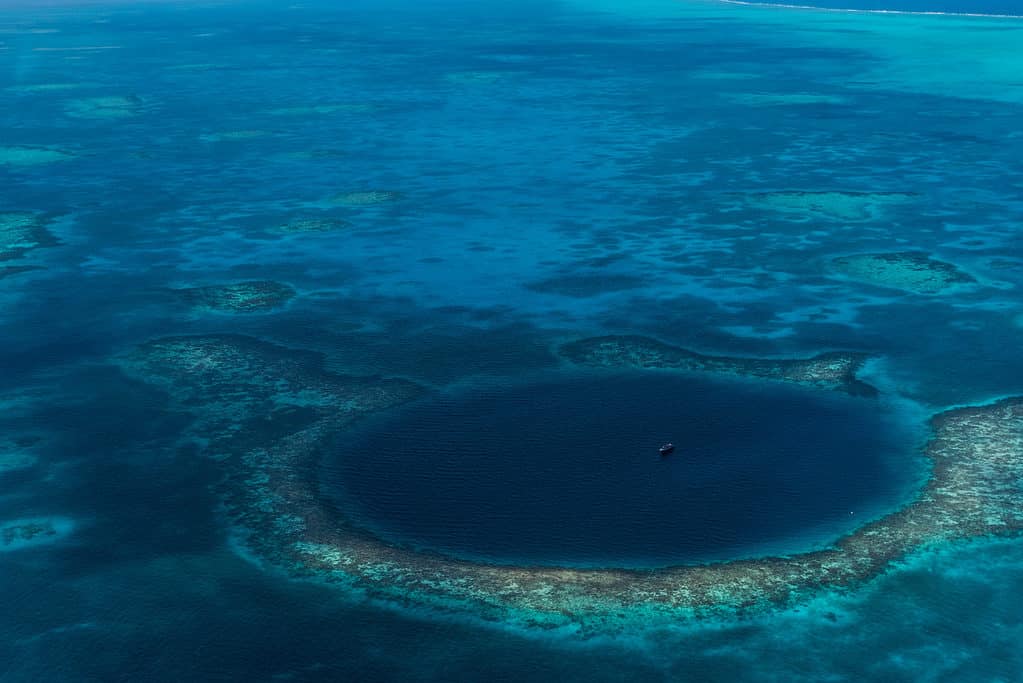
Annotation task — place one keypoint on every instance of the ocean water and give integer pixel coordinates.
(565, 470)
(451, 191)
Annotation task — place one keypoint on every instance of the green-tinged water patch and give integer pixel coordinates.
(268, 414)
(8, 271)
(477, 77)
(321, 109)
(763, 99)
(583, 285)
(306, 224)
(33, 88)
(234, 135)
(256, 296)
(107, 107)
(18, 534)
(22, 232)
(13, 459)
(911, 271)
(365, 197)
(20, 155)
(828, 205)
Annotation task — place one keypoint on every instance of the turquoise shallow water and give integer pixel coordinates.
(452, 190)
(983, 7)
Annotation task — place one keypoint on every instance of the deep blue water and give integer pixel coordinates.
(565, 169)
(566, 470)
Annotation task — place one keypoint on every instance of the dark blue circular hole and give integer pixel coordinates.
(567, 470)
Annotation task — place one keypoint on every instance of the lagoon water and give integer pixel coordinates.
(446, 192)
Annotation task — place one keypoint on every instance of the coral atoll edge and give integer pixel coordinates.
(267, 413)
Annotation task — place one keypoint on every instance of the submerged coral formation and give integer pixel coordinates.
(7, 271)
(913, 271)
(834, 370)
(20, 233)
(233, 135)
(310, 224)
(18, 453)
(780, 99)
(267, 413)
(242, 297)
(106, 107)
(585, 284)
(831, 205)
(13, 459)
(365, 197)
(30, 88)
(475, 77)
(311, 109)
(26, 532)
(21, 155)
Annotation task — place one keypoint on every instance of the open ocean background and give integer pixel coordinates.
(564, 168)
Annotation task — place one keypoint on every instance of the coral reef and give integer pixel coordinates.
(7, 271)
(833, 370)
(13, 459)
(16, 534)
(365, 197)
(909, 270)
(779, 99)
(313, 109)
(243, 297)
(31, 88)
(106, 107)
(31, 156)
(475, 77)
(20, 233)
(829, 205)
(233, 135)
(26, 532)
(310, 224)
(267, 413)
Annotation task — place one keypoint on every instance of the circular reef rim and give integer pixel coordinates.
(265, 412)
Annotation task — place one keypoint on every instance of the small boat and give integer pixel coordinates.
(666, 448)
